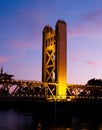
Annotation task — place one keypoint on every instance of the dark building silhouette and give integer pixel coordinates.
(5, 76)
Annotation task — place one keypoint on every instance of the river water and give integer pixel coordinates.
(17, 120)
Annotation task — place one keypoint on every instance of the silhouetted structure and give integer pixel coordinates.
(5, 76)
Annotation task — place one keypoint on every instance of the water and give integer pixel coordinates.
(13, 120)
(17, 120)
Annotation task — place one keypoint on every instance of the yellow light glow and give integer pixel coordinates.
(61, 90)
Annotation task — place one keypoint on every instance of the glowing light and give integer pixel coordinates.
(61, 90)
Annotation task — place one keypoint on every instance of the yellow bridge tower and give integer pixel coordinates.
(54, 57)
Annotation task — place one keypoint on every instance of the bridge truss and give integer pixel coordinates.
(47, 91)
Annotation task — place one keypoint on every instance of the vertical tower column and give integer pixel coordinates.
(61, 58)
(54, 57)
(48, 59)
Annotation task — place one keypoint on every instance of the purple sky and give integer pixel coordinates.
(21, 24)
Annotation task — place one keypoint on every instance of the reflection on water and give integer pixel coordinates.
(10, 120)
(14, 120)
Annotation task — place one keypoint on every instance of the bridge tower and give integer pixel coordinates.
(54, 56)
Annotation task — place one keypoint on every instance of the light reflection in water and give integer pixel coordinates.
(100, 127)
(39, 126)
(81, 126)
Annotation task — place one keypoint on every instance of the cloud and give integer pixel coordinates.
(78, 32)
(4, 59)
(90, 25)
(75, 57)
(94, 16)
(20, 45)
(14, 49)
(92, 63)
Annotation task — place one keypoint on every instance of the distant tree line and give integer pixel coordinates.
(95, 82)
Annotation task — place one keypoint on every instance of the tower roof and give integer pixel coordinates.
(60, 21)
(47, 29)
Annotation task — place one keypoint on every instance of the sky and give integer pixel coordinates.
(21, 25)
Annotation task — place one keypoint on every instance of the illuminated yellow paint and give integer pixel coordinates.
(61, 90)
(54, 63)
(48, 55)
